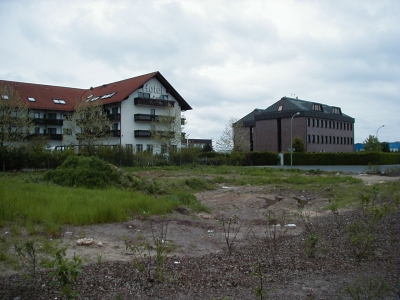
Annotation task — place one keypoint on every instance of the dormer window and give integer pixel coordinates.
(336, 110)
(317, 107)
(280, 108)
(31, 99)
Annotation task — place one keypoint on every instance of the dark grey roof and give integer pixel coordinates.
(292, 105)
(248, 120)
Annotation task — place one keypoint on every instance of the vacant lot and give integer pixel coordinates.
(275, 233)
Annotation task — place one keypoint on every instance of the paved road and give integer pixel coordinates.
(347, 169)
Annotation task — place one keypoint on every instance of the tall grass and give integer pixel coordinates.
(49, 204)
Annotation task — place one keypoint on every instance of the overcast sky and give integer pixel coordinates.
(225, 58)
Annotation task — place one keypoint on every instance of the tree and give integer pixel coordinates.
(385, 147)
(372, 144)
(298, 144)
(207, 148)
(15, 121)
(234, 137)
(93, 123)
(166, 129)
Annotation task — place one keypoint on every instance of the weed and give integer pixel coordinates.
(361, 239)
(311, 245)
(259, 291)
(275, 229)
(66, 272)
(145, 260)
(367, 288)
(234, 225)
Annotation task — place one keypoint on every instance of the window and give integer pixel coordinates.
(164, 97)
(341, 140)
(37, 130)
(51, 130)
(317, 107)
(143, 95)
(322, 123)
(149, 148)
(308, 122)
(309, 139)
(330, 124)
(317, 139)
(326, 139)
(336, 110)
(139, 147)
(108, 95)
(313, 122)
(115, 110)
(322, 139)
(280, 107)
(330, 139)
(313, 139)
(163, 149)
(115, 126)
(59, 101)
(36, 115)
(51, 116)
(317, 122)
(337, 140)
(152, 112)
(326, 124)
(31, 99)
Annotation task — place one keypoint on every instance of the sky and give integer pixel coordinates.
(224, 57)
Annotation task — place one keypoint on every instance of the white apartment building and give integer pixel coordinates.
(132, 105)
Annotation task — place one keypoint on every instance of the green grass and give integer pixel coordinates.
(30, 203)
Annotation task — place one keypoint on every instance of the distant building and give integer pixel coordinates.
(131, 105)
(393, 147)
(199, 143)
(322, 128)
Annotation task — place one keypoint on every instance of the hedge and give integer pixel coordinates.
(352, 158)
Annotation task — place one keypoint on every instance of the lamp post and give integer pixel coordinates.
(291, 139)
(377, 141)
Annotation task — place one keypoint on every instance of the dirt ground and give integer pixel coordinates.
(198, 235)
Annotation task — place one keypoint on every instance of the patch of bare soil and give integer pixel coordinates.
(199, 266)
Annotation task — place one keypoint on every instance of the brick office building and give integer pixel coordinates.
(322, 128)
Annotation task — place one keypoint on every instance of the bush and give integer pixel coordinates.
(89, 172)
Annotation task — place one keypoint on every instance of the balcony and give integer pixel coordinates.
(142, 134)
(115, 133)
(145, 118)
(50, 136)
(153, 102)
(114, 117)
(43, 121)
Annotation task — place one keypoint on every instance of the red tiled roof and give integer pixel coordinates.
(44, 94)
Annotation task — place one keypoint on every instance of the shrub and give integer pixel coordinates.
(89, 172)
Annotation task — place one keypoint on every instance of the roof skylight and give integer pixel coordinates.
(31, 99)
(59, 101)
(108, 95)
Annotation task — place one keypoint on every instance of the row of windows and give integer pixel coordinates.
(149, 148)
(325, 139)
(329, 124)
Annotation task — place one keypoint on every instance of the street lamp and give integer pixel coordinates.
(291, 139)
(377, 141)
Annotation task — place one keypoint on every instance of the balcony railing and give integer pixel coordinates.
(114, 117)
(153, 102)
(50, 136)
(115, 133)
(42, 121)
(146, 118)
(142, 133)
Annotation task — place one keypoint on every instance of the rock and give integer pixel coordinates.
(85, 242)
